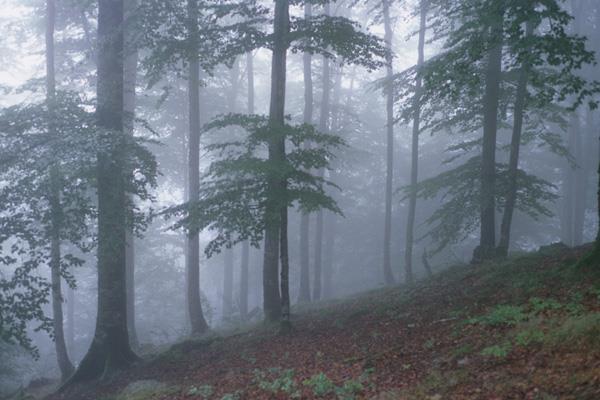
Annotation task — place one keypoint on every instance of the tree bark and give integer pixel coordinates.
(515, 146)
(487, 242)
(388, 275)
(276, 188)
(110, 348)
(245, 259)
(414, 166)
(197, 321)
(64, 363)
(70, 320)
(129, 103)
(285, 274)
(304, 294)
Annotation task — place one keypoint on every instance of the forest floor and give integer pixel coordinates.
(524, 328)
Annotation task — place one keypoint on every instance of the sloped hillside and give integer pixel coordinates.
(525, 328)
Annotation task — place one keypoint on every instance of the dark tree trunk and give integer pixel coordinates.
(64, 363)
(271, 289)
(487, 242)
(414, 166)
(515, 146)
(197, 321)
(304, 294)
(285, 274)
(110, 349)
(245, 259)
(388, 275)
(323, 127)
(129, 102)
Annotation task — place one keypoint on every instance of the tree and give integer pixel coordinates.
(110, 348)
(64, 363)
(304, 293)
(414, 169)
(388, 276)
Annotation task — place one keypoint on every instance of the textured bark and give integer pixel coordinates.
(129, 103)
(64, 363)
(110, 348)
(388, 275)
(323, 127)
(487, 242)
(414, 165)
(271, 289)
(304, 294)
(515, 147)
(197, 322)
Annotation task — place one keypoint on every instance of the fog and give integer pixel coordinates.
(337, 224)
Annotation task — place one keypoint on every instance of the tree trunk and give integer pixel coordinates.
(71, 321)
(129, 102)
(515, 146)
(227, 283)
(110, 348)
(487, 242)
(285, 273)
(245, 259)
(569, 186)
(388, 276)
(197, 321)
(323, 127)
(276, 188)
(64, 363)
(579, 185)
(414, 167)
(304, 294)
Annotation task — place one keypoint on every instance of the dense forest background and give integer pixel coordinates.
(172, 167)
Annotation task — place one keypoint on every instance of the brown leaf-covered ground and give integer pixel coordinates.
(443, 338)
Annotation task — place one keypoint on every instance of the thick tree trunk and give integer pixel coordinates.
(110, 349)
(388, 275)
(129, 102)
(323, 127)
(271, 290)
(513, 164)
(64, 363)
(245, 258)
(197, 322)
(487, 242)
(304, 294)
(414, 166)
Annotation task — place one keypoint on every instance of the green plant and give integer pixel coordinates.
(529, 336)
(320, 384)
(581, 329)
(503, 315)
(349, 390)
(539, 305)
(498, 351)
(284, 382)
(204, 391)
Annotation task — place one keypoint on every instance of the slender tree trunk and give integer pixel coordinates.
(414, 166)
(197, 320)
(568, 188)
(285, 273)
(64, 363)
(110, 349)
(245, 259)
(228, 253)
(323, 127)
(579, 185)
(71, 320)
(129, 102)
(227, 283)
(487, 243)
(515, 146)
(388, 275)
(271, 290)
(304, 295)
